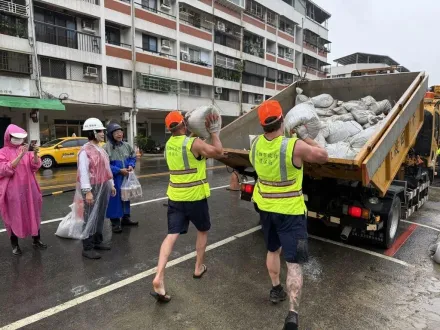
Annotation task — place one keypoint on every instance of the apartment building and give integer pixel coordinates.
(358, 64)
(62, 61)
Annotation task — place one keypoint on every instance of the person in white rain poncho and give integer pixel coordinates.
(93, 189)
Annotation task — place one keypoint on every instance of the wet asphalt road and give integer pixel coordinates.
(344, 288)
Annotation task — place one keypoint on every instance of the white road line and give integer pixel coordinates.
(112, 287)
(134, 204)
(421, 225)
(376, 254)
(89, 296)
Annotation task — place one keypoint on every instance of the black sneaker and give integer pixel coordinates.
(117, 229)
(277, 294)
(16, 251)
(126, 221)
(102, 247)
(91, 254)
(39, 245)
(291, 322)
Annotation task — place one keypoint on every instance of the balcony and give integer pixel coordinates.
(156, 84)
(14, 8)
(146, 7)
(13, 26)
(168, 56)
(253, 49)
(61, 36)
(236, 5)
(226, 74)
(93, 2)
(15, 63)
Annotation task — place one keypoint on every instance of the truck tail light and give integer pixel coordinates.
(356, 212)
(247, 188)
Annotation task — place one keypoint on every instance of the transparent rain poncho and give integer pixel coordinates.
(86, 219)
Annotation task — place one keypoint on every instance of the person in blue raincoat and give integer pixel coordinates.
(122, 162)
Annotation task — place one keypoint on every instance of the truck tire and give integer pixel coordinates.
(392, 221)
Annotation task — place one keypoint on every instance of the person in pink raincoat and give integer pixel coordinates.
(20, 195)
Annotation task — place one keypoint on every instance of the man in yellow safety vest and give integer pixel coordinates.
(188, 191)
(278, 162)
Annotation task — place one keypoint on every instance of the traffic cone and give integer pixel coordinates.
(234, 184)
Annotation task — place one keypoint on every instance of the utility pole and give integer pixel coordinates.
(134, 110)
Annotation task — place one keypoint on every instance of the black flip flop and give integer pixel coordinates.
(161, 297)
(204, 271)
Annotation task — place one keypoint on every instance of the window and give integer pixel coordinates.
(226, 62)
(149, 43)
(112, 35)
(253, 80)
(255, 69)
(114, 77)
(281, 52)
(53, 68)
(149, 4)
(69, 144)
(194, 55)
(254, 8)
(286, 26)
(272, 74)
(82, 142)
(224, 96)
(285, 77)
(271, 18)
(227, 41)
(193, 89)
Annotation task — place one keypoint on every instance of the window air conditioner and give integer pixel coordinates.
(166, 44)
(221, 26)
(165, 4)
(91, 71)
(87, 25)
(218, 90)
(185, 57)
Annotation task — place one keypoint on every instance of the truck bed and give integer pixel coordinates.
(380, 159)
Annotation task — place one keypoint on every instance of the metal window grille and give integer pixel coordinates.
(13, 26)
(157, 84)
(69, 70)
(15, 62)
(61, 36)
(117, 77)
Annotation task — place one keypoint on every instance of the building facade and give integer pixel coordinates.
(362, 63)
(132, 62)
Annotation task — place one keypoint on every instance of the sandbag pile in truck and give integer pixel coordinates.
(196, 119)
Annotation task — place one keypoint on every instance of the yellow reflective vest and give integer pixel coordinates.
(279, 185)
(187, 174)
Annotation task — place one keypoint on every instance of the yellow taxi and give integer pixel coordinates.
(61, 151)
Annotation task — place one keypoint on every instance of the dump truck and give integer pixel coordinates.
(366, 196)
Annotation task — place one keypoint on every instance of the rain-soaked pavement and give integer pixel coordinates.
(347, 286)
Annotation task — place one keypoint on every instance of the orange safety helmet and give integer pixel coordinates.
(174, 117)
(268, 109)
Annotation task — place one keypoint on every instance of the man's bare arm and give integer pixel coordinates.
(309, 154)
(206, 150)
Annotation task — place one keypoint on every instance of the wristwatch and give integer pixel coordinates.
(86, 190)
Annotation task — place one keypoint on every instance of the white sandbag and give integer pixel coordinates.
(368, 100)
(354, 105)
(359, 140)
(322, 101)
(324, 112)
(340, 111)
(71, 226)
(436, 256)
(303, 120)
(300, 98)
(320, 139)
(339, 131)
(380, 107)
(362, 116)
(341, 150)
(196, 120)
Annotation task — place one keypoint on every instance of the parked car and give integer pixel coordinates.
(61, 151)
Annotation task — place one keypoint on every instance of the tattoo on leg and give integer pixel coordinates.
(294, 284)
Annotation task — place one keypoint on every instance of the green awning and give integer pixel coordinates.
(30, 103)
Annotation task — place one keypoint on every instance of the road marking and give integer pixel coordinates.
(421, 225)
(372, 253)
(139, 177)
(94, 294)
(134, 204)
(112, 287)
(400, 241)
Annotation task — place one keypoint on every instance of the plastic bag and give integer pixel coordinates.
(341, 150)
(322, 101)
(304, 120)
(130, 188)
(71, 226)
(196, 120)
(300, 98)
(340, 131)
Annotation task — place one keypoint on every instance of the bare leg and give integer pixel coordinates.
(165, 251)
(202, 240)
(273, 266)
(294, 284)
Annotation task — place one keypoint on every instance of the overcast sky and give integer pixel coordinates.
(407, 31)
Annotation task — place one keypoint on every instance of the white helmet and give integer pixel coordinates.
(93, 124)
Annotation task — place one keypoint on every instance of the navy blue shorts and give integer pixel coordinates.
(181, 213)
(288, 232)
